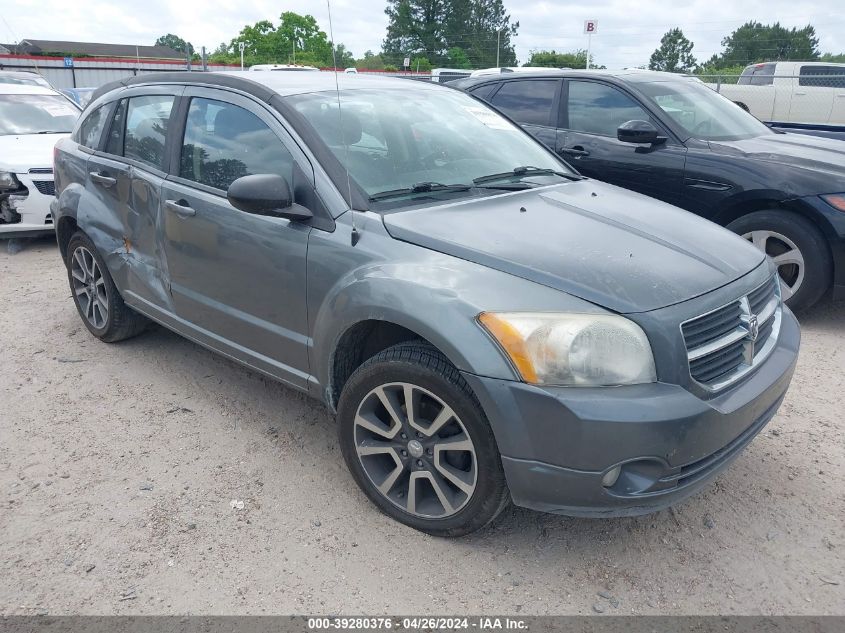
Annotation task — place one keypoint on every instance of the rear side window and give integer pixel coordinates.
(484, 92)
(147, 119)
(758, 75)
(822, 76)
(528, 102)
(92, 127)
(595, 108)
(224, 142)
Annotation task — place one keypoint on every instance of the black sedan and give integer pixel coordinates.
(673, 138)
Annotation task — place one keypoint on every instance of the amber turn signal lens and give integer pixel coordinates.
(512, 342)
(836, 200)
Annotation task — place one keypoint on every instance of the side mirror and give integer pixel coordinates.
(639, 132)
(266, 194)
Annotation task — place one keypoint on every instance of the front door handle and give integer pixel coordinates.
(576, 151)
(180, 208)
(102, 179)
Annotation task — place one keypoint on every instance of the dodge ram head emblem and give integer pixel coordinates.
(753, 328)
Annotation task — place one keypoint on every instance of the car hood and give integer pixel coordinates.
(20, 153)
(800, 150)
(603, 244)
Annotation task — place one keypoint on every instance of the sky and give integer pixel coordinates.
(628, 30)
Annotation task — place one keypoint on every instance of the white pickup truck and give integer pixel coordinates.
(811, 93)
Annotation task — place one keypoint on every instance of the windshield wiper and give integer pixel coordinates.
(525, 170)
(50, 132)
(420, 187)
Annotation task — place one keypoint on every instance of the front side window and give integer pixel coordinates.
(702, 112)
(92, 127)
(822, 76)
(36, 114)
(147, 119)
(224, 142)
(528, 102)
(596, 108)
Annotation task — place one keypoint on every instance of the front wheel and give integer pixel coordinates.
(418, 444)
(797, 248)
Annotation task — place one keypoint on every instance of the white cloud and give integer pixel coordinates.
(629, 30)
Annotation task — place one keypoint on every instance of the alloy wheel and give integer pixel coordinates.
(786, 256)
(89, 287)
(415, 450)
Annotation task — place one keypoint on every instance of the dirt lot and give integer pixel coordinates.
(119, 466)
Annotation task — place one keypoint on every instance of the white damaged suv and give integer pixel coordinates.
(32, 119)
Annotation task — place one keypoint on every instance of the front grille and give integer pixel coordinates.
(41, 170)
(725, 344)
(45, 187)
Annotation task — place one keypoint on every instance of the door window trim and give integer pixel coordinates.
(174, 91)
(322, 219)
(655, 119)
(555, 106)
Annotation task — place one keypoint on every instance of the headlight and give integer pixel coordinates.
(8, 182)
(836, 200)
(588, 350)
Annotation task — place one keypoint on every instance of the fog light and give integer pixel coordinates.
(611, 476)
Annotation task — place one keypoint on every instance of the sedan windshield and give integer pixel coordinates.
(702, 112)
(427, 143)
(36, 114)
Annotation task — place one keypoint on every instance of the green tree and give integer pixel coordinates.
(457, 58)
(370, 61)
(754, 42)
(553, 59)
(175, 42)
(674, 54)
(433, 28)
(421, 64)
(343, 57)
(833, 59)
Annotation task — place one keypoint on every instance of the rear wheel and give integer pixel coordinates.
(798, 249)
(97, 300)
(418, 444)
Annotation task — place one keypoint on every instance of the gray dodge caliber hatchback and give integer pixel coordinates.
(487, 324)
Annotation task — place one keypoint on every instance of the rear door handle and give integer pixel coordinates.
(180, 208)
(100, 179)
(574, 151)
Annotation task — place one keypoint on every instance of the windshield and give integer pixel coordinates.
(399, 139)
(36, 114)
(702, 112)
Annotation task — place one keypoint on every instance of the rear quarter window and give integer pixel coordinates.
(91, 128)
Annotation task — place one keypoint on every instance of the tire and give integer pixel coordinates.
(798, 249)
(109, 319)
(418, 369)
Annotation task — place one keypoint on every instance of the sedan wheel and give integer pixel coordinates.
(415, 450)
(89, 286)
(786, 256)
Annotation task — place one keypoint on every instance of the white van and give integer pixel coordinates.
(812, 93)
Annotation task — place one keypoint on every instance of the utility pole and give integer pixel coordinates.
(498, 46)
(241, 46)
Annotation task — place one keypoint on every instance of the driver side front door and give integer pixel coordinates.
(592, 112)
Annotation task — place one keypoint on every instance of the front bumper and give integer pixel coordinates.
(33, 207)
(557, 444)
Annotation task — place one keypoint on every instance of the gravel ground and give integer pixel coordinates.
(153, 477)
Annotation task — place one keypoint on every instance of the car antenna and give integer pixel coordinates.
(355, 235)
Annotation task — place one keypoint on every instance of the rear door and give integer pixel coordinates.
(124, 180)
(237, 278)
(591, 114)
(533, 103)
